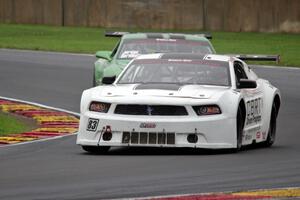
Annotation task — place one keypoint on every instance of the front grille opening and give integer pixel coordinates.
(158, 110)
(126, 137)
(134, 138)
(148, 138)
(161, 138)
(143, 138)
(170, 138)
(152, 138)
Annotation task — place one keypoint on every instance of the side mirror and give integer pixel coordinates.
(108, 80)
(103, 54)
(247, 84)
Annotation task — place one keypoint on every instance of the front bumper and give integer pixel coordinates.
(214, 132)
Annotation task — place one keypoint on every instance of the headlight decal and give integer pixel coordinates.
(99, 107)
(207, 110)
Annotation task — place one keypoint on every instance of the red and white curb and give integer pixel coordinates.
(52, 122)
(263, 194)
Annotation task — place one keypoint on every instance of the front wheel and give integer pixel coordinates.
(96, 149)
(272, 128)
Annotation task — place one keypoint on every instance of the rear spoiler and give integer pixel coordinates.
(120, 34)
(206, 35)
(253, 57)
(115, 34)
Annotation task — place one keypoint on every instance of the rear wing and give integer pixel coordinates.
(115, 34)
(120, 34)
(253, 57)
(206, 35)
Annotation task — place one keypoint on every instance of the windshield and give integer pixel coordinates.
(176, 71)
(131, 48)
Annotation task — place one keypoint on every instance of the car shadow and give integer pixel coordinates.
(150, 151)
(154, 151)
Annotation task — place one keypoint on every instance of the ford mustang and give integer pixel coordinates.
(180, 100)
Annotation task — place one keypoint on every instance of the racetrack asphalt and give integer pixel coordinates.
(59, 169)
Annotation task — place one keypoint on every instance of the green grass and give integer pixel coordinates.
(65, 39)
(286, 45)
(11, 125)
(90, 40)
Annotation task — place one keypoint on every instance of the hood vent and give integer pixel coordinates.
(158, 87)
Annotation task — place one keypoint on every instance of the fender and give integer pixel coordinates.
(269, 96)
(99, 67)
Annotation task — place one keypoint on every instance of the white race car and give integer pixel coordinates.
(180, 100)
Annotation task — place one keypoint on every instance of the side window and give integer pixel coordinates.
(239, 72)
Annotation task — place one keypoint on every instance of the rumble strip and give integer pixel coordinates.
(51, 122)
(266, 194)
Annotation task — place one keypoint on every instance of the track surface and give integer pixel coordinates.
(59, 169)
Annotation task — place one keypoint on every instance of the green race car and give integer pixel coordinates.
(111, 63)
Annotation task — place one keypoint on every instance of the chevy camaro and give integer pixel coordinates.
(180, 100)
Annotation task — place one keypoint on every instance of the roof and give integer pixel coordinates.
(187, 56)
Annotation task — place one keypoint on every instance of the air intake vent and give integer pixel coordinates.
(148, 138)
(157, 110)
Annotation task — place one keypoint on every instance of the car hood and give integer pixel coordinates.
(159, 90)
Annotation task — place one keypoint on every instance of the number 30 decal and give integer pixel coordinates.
(92, 124)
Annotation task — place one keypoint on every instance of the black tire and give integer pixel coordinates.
(239, 129)
(96, 149)
(272, 129)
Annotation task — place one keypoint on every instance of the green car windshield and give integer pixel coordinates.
(131, 48)
(176, 71)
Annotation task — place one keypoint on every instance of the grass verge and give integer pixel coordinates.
(10, 124)
(90, 40)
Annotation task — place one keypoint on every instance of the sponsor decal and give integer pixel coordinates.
(258, 135)
(147, 125)
(250, 133)
(130, 54)
(264, 134)
(254, 109)
(165, 40)
(248, 137)
(255, 129)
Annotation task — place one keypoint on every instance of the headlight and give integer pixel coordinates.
(99, 107)
(207, 110)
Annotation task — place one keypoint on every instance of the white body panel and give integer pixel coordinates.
(214, 131)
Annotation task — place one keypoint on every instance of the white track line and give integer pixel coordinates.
(47, 52)
(42, 106)
(38, 140)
